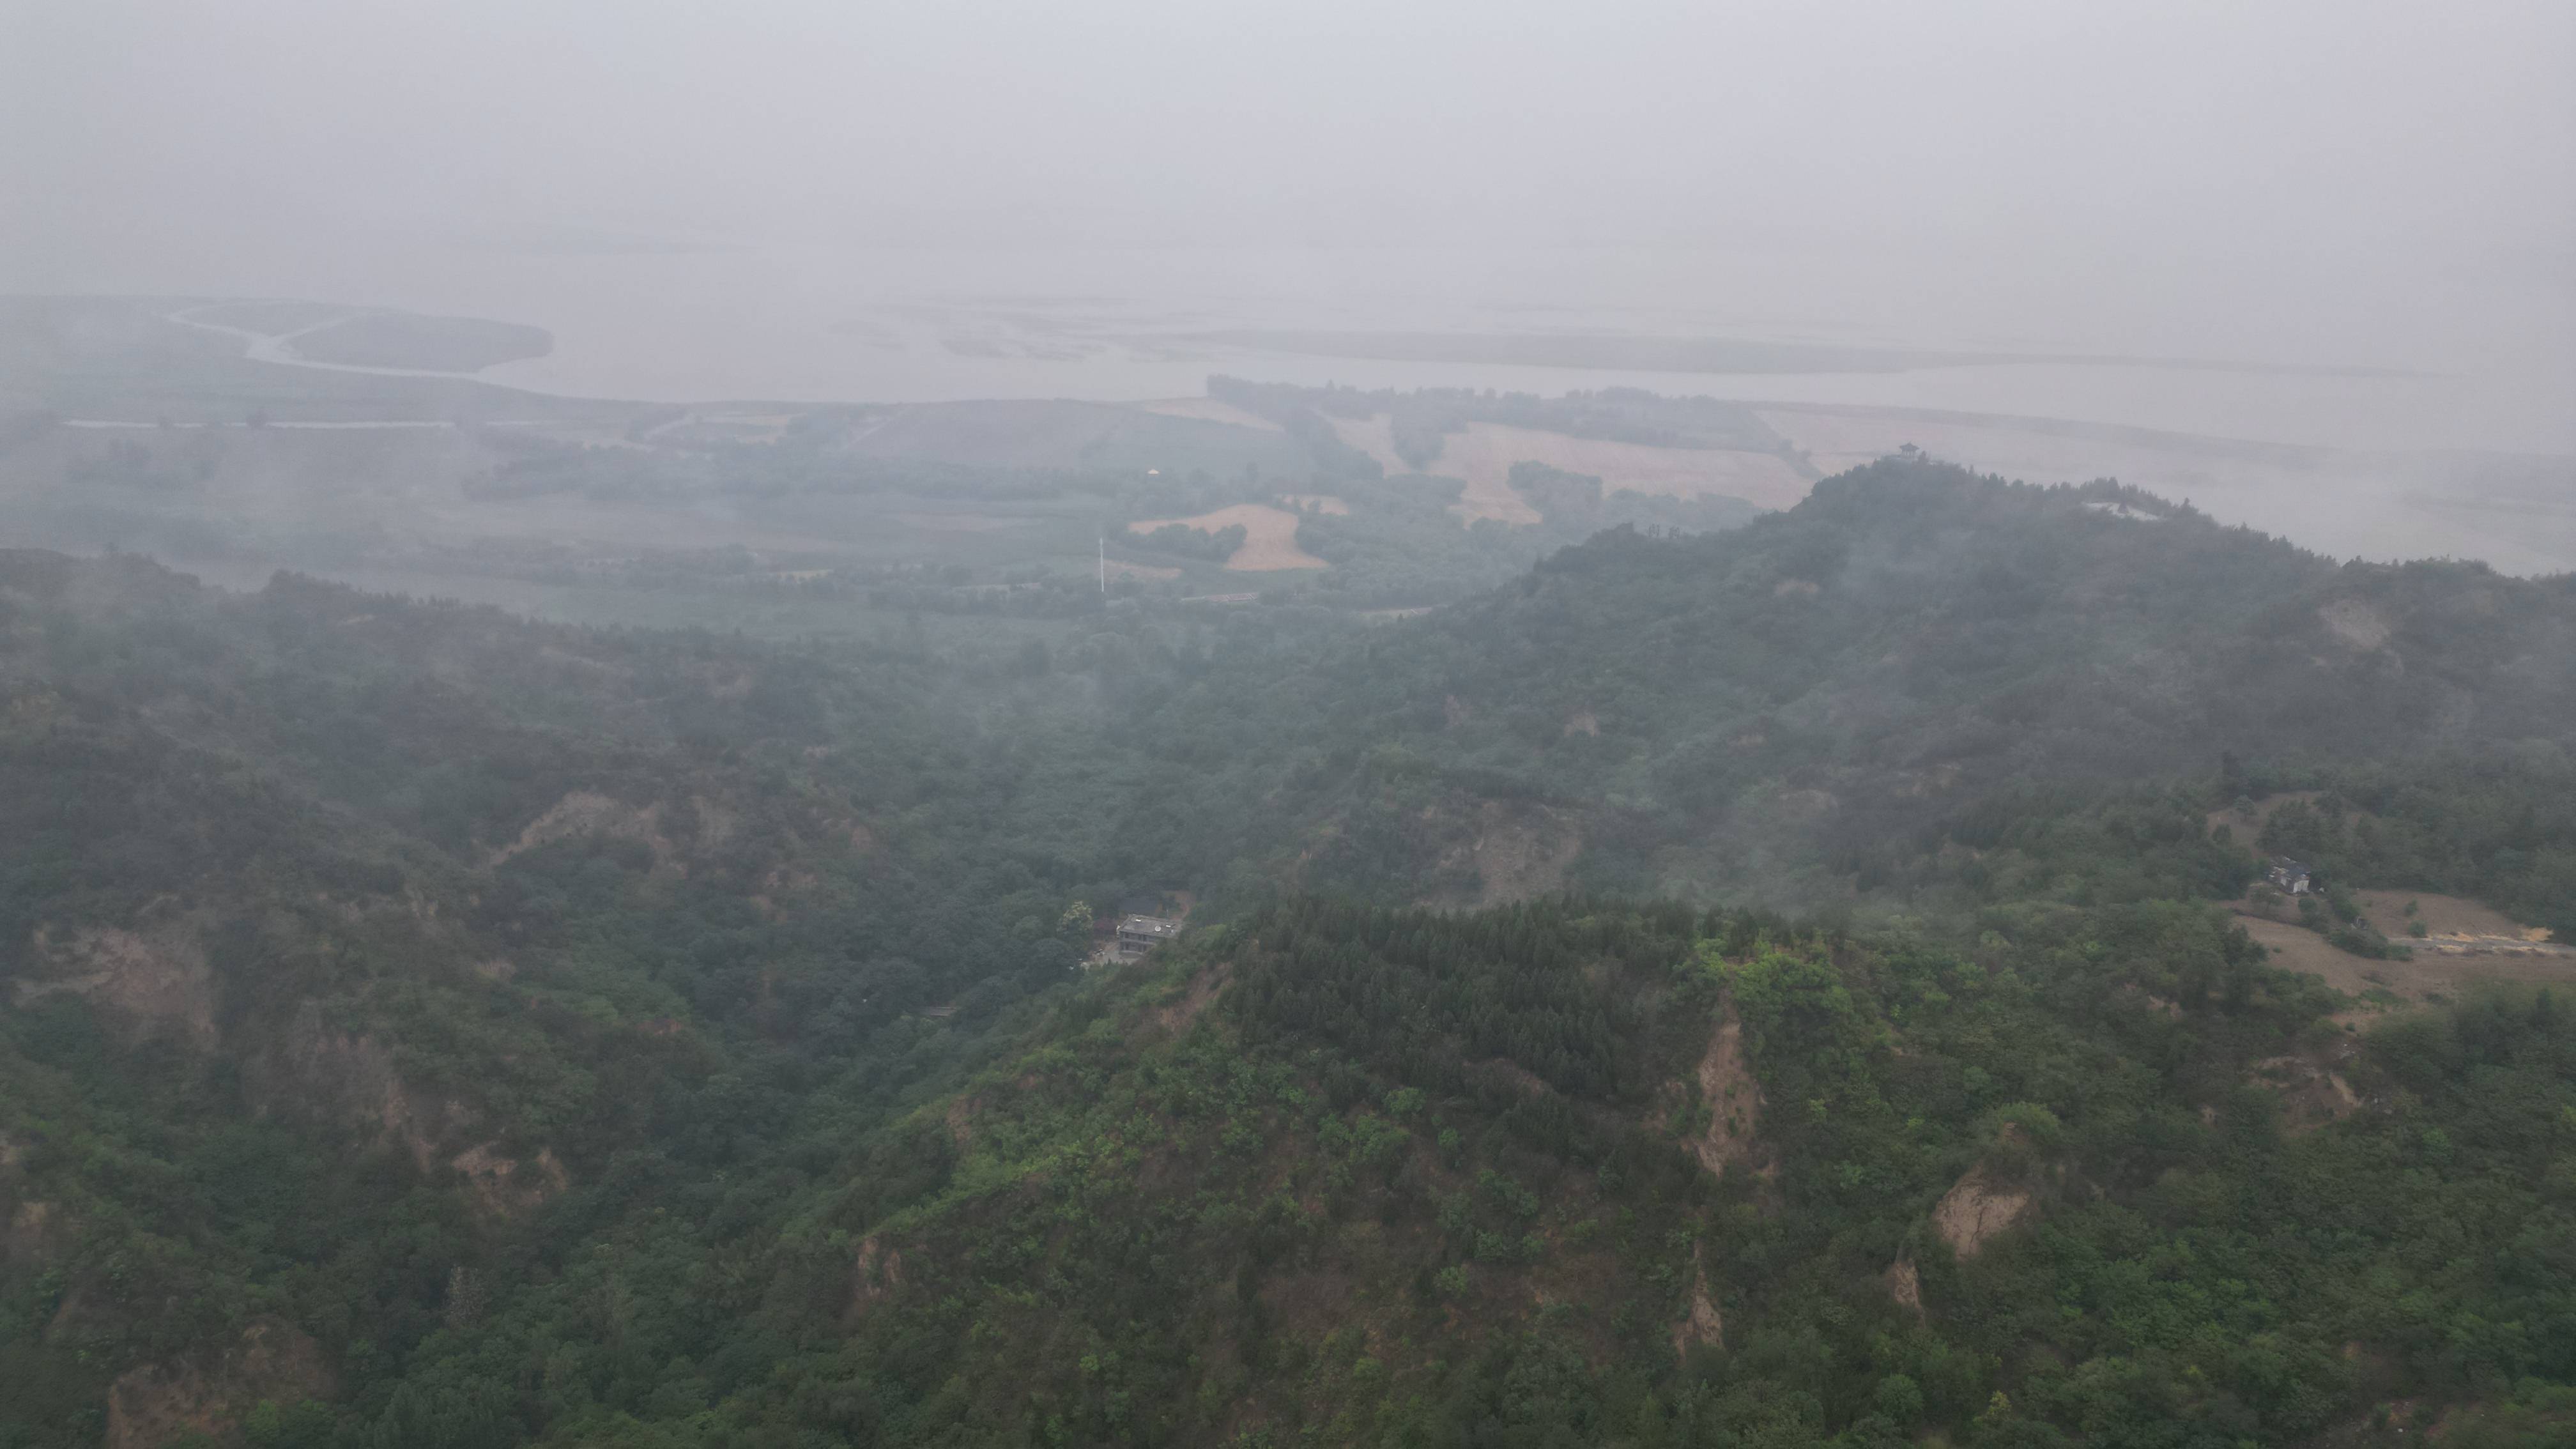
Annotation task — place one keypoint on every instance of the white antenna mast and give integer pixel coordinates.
(1104, 563)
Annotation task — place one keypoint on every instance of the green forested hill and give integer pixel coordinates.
(449, 1030)
(1570, 1175)
(343, 933)
(1770, 712)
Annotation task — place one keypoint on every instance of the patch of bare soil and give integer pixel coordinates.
(1702, 1328)
(2433, 972)
(877, 1272)
(1732, 1096)
(1905, 1284)
(2355, 623)
(1518, 862)
(1208, 410)
(2447, 920)
(1488, 492)
(1512, 1074)
(1194, 1002)
(209, 1394)
(1269, 536)
(504, 1187)
(1374, 436)
(153, 984)
(2296, 948)
(2312, 1092)
(783, 882)
(1802, 805)
(1976, 1209)
(717, 821)
(32, 1236)
(586, 812)
(1515, 853)
(1583, 722)
(355, 1078)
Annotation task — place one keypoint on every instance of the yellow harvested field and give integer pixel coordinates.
(1486, 470)
(1374, 436)
(1488, 451)
(1482, 456)
(1209, 410)
(1318, 502)
(1121, 570)
(1269, 536)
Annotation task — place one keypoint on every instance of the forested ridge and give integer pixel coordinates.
(1404, 1184)
(1767, 713)
(420, 1027)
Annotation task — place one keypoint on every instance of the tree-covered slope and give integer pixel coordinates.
(1772, 709)
(344, 938)
(478, 1032)
(1586, 1174)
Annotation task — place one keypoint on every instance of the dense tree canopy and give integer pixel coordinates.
(421, 1027)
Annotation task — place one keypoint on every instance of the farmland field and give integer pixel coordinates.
(1209, 410)
(2430, 976)
(1482, 454)
(1270, 536)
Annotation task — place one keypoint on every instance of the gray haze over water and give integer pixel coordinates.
(816, 201)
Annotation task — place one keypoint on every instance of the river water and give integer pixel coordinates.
(1125, 325)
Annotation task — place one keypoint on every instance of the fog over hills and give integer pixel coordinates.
(2290, 184)
(1774, 726)
(401, 966)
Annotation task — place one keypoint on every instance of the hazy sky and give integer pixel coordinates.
(2342, 180)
